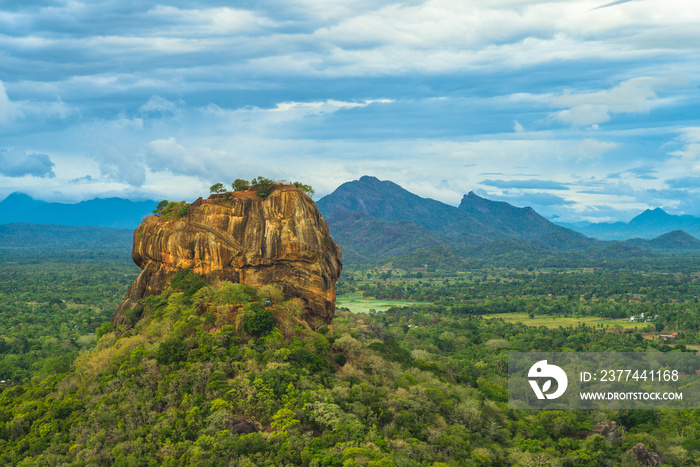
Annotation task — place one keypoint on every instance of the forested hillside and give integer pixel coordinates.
(213, 376)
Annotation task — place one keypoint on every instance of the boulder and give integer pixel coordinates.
(241, 427)
(645, 456)
(608, 430)
(240, 237)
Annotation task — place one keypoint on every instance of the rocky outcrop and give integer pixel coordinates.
(240, 427)
(608, 430)
(645, 456)
(240, 237)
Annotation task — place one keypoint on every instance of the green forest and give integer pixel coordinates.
(211, 375)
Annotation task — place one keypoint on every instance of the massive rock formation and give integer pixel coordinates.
(240, 237)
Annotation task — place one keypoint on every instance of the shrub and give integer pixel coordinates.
(187, 282)
(171, 209)
(217, 188)
(262, 185)
(104, 329)
(258, 321)
(240, 185)
(172, 351)
(159, 209)
(305, 188)
(272, 292)
(231, 293)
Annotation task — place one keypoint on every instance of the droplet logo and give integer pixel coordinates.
(541, 370)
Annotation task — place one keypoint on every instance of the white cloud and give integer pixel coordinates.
(159, 105)
(118, 164)
(8, 110)
(46, 110)
(15, 163)
(208, 21)
(687, 158)
(160, 98)
(205, 163)
(330, 105)
(633, 96)
(592, 149)
(591, 108)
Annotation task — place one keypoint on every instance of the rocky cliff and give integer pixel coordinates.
(241, 237)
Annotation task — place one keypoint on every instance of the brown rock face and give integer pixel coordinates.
(281, 239)
(645, 456)
(609, 430)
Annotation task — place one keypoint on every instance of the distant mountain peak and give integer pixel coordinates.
(473, 202)
(18, 197)
(675, 240)
(108, 212)
(652, 216)
(390, 212)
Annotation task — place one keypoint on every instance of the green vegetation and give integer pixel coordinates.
(656, 299)
(240, 185)
(52, 302)
(188, 283)
(208, 383)
(305, 188)
(569, 321)
(171, 209)
(210, 375)
(358, 303)
(262, 186)
(217, 188)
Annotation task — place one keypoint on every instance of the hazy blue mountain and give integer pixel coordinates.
(671, 241)
(109, 212)
(647, 225)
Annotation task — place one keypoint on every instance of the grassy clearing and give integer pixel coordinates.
(566, 321)
(355, 303)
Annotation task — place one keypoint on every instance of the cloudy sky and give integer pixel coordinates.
(582, 109)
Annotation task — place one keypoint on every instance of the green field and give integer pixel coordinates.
(565, 321)
(355, 303)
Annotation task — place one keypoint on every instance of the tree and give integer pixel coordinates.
(258, 321)
(172, 350)
(187, 282)
(262, 185)
(305, 188)
(217, 188)
(159, 209)
(240, 185)
(272, 292)
(171, 209)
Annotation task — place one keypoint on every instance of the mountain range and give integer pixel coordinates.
(379, 221)
(108, 212)
(373, 219)
(647, 225)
